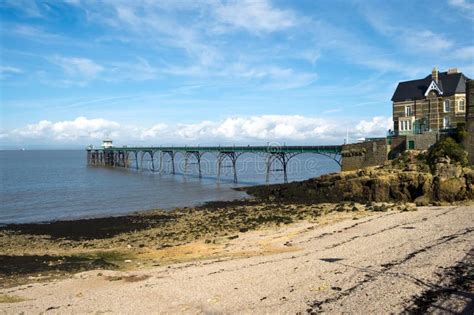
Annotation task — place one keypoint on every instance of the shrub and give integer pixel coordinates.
(447, 148)
(461, 132)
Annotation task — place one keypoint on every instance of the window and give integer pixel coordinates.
(408, 111)
(405, 125)
(447, 108)
(446, 122)
(462, 106)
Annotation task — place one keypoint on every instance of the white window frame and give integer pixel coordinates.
(448, 120)
(404, 125)
(447, 109)
(408, 111)
(463, 102)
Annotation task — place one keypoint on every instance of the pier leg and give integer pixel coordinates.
(136, 159)
(187, 156)
(161, 162)
(126, 159)
(283, 158)
(284, 162)
(186, 159)
(152, 154)
(269, 166)
(172, 163)
(219, 164)
(198, 156)
(234, 162)
(233, 156)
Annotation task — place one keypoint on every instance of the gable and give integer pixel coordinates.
(433, 87)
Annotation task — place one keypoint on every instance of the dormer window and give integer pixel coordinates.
(461, 105)
(446, 107)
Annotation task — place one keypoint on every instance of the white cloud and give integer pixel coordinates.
(28, 8)
(465, 53)
(206, 55)
(254, 16)
(414, 39)
(7, 72)
(154, 131)
(75, 66)
(33, 33)
(463, 4)
(253, 129)
(417, 40)
(376, 126)
(7, 69)
(69, 130)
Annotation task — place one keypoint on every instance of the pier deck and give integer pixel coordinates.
(120, 156)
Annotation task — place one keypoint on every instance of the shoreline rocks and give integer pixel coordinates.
(406, 180)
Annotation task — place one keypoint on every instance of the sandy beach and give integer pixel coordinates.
(354, 262)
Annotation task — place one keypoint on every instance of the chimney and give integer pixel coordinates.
(434, 75)
(453, 71)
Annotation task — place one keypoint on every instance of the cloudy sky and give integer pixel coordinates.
(217, 72)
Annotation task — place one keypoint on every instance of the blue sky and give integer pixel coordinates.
(217, 72)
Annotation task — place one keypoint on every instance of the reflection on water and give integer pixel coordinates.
(50, 185)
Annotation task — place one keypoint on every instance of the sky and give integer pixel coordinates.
(211, 72)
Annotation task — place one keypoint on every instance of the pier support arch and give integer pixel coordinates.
(233, 156)
(283, 158)
(197, 155)
(171, 154)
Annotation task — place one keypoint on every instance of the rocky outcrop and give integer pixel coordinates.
(402, 181)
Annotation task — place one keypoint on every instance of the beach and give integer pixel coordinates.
(320, 258)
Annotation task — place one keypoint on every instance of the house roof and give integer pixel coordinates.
(450, 84)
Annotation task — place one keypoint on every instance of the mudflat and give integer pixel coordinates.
(343, 261)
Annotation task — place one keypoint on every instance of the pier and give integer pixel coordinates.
(132, 157)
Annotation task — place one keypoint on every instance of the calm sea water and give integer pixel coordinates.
(41, 186)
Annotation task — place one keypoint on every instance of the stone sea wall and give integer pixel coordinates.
(359, 155)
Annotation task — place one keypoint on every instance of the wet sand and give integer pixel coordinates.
(289, 258)
(48, 251)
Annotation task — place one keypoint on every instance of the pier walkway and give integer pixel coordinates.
(124, 156)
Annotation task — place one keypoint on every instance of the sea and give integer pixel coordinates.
(50, 185)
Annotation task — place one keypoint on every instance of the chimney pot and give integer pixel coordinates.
(452, 70)
(434, 75)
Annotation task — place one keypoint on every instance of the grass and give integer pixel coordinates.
(109, 257)
(11, 299)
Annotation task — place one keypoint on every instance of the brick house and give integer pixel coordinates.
(469, 141)
(432, 104)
